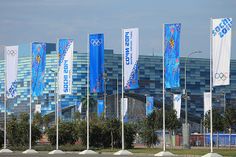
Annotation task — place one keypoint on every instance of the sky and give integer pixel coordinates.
(24, 21)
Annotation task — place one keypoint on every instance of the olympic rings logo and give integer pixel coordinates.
(11, 52)
(96, 42)
(221, 76)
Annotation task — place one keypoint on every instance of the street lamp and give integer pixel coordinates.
(186, 125)
(55, 93)
(117, 98)
(105, 94)
(224, 101)
(56, 151)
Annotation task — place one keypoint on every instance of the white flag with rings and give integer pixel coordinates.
(221, 49)
(11, 57)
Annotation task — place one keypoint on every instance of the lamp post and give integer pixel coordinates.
(117, 98)
(56, 151)
(105, 104)
(186, 125)
(224, 101)
(55, 92)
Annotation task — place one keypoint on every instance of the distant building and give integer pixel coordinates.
(150, 81)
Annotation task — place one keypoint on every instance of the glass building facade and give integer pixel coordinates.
(150, 81)
(47, 100)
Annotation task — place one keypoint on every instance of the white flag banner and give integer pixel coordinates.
(221, 49)
(37, 108)
(66, 47)
(131, 55)
(207, 105)
(80, 107)
(11, 56)
(124, 106)
(177, 104)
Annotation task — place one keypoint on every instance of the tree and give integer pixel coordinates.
(37, 120)
(105, 133)
(148, 128)
(1, 137)
(229, 121)
(113, 126)
(68, 133)
(217, 122)
(172, 122)
(92, 103)
(18, 131)
(46, 120)
(129, 135)
(12, 134)
(77, 116)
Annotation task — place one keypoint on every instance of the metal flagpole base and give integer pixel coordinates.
(88, 152)
(185, 133)
(5, 150)
(30, 151)
(164, 153)
(212, 155)
(123, 152)
(56, 152)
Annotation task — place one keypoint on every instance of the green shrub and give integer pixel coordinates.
(1, 137)
(18, 131)
(106, 133)
(68, 133)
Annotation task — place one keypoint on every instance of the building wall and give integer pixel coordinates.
(150, 81)
(21, 102)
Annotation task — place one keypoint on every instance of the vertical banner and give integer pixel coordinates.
(149, 105)
(38, 67)
(177, 104)
(131, 55)
(207, 106)
(37, 108)
(65, 47)
(124, 106)
(11, 56)
(96, 60)
(79, 106)
(59, 110)
(171, 61)
(221, 49)
(100, 107)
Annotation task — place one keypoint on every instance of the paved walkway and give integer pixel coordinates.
(72, 154)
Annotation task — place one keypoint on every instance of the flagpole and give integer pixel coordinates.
(57, 101)
(117, 98)
(5, 105)
(211, 86)
(163, 90)
(30, 150)
(57, 151)
(30, 97)
(57, 122)
(164, 152)
(122, 93)
(5, 150)
(122, 151)
(87, 151)
(88, 66)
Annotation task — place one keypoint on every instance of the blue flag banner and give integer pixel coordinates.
(171, 61)
(96, 50)
(38, 68)
(100, 108)
(149, 105)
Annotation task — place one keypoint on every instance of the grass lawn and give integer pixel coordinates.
(193, 151)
